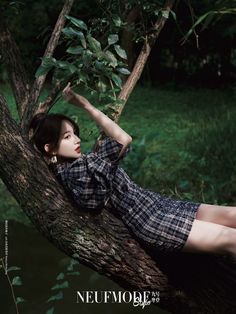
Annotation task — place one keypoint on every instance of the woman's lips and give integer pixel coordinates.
(77, 149)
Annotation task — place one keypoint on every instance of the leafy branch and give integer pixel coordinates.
(98, 66)
(16, 281)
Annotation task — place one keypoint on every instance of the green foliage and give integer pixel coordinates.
(212, 16)
(13, 268)
(58, 287)
(19, 300)
(215, 18)
(61, 283)
(56, 297)
(16, 281)
(50, 311)
(96, 65)
(60, 276)
(80, 24)
(187, 151)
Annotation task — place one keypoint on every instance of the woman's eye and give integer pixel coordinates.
(68, 136)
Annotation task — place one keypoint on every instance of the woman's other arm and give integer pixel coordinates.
(108, 126)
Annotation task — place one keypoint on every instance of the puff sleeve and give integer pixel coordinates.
(110, 150)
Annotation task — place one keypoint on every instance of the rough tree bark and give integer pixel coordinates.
(192, 284)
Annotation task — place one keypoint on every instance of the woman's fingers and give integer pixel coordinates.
(68, 85)
(68, 93)
(66, 89)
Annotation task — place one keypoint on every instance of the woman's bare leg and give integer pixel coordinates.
(222, 215)
(207, 237)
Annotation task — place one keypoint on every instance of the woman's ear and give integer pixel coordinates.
(47, 148)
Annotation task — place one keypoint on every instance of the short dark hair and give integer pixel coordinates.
(46, 129)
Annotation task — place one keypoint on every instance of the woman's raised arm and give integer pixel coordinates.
(108, 126)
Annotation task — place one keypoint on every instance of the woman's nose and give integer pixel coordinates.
(77, 139)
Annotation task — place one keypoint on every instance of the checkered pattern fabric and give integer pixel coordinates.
(95, 180)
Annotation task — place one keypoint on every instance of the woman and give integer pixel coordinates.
(95, 180)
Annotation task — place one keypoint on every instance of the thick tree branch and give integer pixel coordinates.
(15, 68)
(31, 107)
(46, 105)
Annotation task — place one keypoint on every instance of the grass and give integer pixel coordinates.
(183, 142)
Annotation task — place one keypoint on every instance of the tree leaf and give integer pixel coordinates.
(116, 79)
(63, 64)
(117, 21)
(87, 58)
(16, 281)
(50, 311)
(82, 77)
(72, 262)
(48, 61)
(19, 300)
(13, 268)
(165, 13)
(123, 71)
(63, 285)
(46, 65)
(60, 276)
(70, 31)
(76, 255)
(199, 20)
(110, 57)
(100, 66)
(102, 87)
(58, 296)
(77, 22)
(94, 44)
(174, 15)
(72, 68)
(75, 50)
(121, 52)
(112, 39)
(42, 71)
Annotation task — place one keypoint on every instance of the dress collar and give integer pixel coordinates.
(62, 166)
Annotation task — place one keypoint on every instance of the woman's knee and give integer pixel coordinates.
(223, 215)
(210, 238)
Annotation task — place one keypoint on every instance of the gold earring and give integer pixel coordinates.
(54, 159)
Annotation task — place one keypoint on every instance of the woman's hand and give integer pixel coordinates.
(74, 98)
(108, 126)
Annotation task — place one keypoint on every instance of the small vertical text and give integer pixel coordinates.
(6, 246)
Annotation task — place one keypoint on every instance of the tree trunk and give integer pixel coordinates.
(192, 284)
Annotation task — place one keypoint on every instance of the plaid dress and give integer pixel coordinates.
(95, 180)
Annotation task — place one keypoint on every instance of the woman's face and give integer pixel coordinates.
(69, 143)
